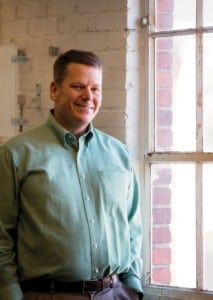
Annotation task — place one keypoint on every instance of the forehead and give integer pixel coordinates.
(76, 71)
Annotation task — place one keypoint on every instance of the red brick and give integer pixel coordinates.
(163, 176)
(161, 196)
(164, 80)
(161, 216)
(164, 138)
(164, 60)
(164, 118)
(161, 256)
(161, 276)
(161, 235)
(164, 98)
(165, 5)
(165, 43)
(164, 21)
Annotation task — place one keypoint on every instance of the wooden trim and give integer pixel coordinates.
(170, 157)
(175, 293)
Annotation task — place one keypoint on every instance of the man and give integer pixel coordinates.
(69, 201)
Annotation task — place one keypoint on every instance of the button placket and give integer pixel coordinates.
(89, 207)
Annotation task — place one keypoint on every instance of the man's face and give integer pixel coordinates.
(78, 98)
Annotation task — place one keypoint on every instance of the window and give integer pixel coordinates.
(179, 150)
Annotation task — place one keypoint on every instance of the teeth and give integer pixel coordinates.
(88, 107)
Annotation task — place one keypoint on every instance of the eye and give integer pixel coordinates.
(77, 86)
(96, 90)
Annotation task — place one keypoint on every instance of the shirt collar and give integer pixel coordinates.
(66, 137)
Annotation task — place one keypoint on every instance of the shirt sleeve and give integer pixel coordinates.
(9, 286)
(132, 277)
(11, 292)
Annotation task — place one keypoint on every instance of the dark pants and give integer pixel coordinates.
(118, 292)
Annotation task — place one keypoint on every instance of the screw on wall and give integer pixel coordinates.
(37, 99)
(53, 51)
(145, 21)
(20, 121)
(20, 57)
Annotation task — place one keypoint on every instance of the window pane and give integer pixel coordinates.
(175, 14)
(173, 225)
(207, 92)
(175, 105)
(208, 226)
(207, 12)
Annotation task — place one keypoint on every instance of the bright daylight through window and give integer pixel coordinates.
(180, 150)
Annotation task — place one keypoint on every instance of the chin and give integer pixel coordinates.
(87, 118)
(85, 121)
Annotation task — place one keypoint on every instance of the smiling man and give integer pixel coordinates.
(69, 202)
(77, 97)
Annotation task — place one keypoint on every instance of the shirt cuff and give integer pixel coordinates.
(11, 292)
(133, 282)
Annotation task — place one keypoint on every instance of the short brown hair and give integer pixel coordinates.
(73, 56)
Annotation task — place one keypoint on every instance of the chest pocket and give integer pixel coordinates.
(114, 187)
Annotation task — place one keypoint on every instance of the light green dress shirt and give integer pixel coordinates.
(69, 209)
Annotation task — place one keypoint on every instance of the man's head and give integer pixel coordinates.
(76, 89)
(74, 56)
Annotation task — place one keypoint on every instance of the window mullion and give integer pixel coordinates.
(151, 121)
(199, 228)
(151, 109)
(199, 79)
(199, 145)
(199, 92)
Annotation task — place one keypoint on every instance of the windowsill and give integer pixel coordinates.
(166, 293)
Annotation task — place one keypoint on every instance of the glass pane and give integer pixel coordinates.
(175, 106)
(208, 92)
(208, 226)
(175, 14)
(173, 225)
(207, 12)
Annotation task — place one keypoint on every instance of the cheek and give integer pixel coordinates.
(98, 102)
(69, 99)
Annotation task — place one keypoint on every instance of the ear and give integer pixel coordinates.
(53, 91)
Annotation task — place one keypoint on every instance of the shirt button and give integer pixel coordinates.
(96, 270)
(92, 221)
(68, 139)
(95, 245)
(88, 198)
(83, 176)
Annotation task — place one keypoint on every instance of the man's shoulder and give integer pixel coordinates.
(30, 135)
(108, 137)
(108, 140)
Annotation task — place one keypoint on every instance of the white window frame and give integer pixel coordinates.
(164, 292)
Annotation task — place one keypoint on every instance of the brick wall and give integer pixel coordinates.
(161, 233)
(96, 25)
(161, 192)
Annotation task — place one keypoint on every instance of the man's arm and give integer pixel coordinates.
(132, 278)
(9, 286)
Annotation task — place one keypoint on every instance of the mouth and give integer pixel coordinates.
(85, 107)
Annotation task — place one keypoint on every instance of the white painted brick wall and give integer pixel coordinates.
(95, 25)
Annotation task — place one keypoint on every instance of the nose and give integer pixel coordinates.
(87, 94)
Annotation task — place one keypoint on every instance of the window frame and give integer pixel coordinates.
(150, 156)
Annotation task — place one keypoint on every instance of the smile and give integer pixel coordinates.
(85, 106)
